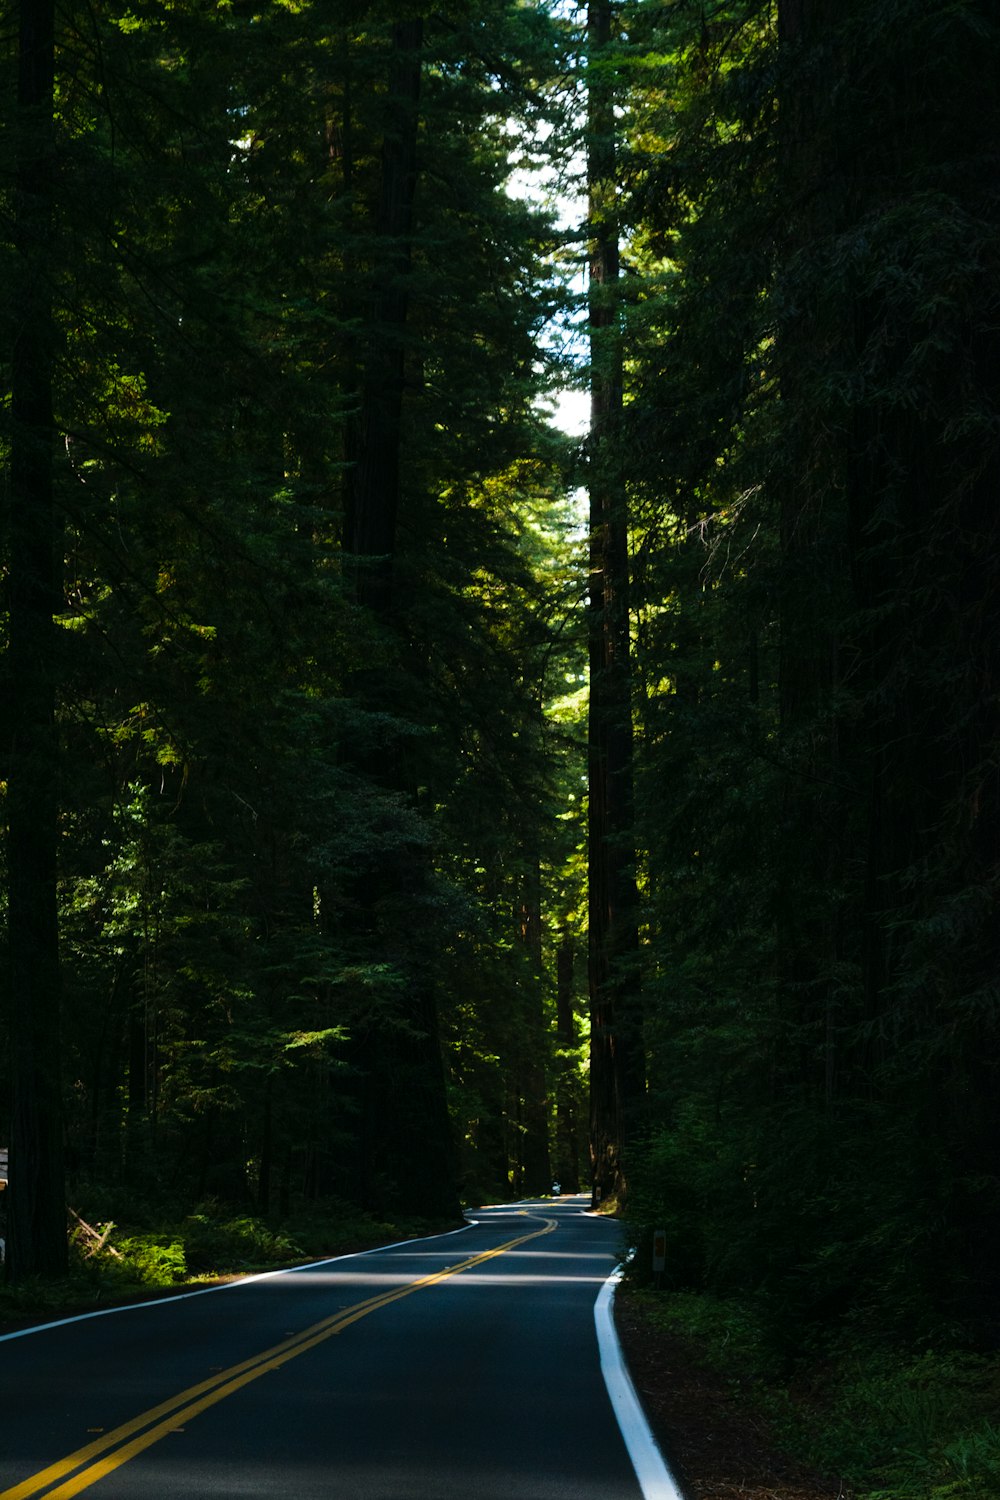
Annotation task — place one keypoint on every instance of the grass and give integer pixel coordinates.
(890, 1424)
(111, 1263)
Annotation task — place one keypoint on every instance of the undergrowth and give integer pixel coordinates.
(112, 1262)
(890, 1424)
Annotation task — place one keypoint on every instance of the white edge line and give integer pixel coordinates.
(655, 1479)
(227, 1286)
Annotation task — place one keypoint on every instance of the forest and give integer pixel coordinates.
(407, 804)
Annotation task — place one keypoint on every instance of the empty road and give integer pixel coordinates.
(445, 1368)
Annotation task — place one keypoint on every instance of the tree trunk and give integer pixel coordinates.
(567, 1139)
(617, 1071)
(405, 1131)
(373, 492)
(535, 1139)
(36, 1229)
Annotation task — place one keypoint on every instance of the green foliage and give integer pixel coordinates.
(213, 1243)
(112, 1263)
(731, 1334)
(277, 808)
(150, 1260)
(920, 1429)
(810, 391)
(888, 1425)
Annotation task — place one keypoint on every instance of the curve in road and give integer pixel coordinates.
(486, 1383)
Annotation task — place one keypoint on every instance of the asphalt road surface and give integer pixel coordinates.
(463, 1367)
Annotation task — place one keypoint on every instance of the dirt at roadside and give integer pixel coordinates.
(715, 1446)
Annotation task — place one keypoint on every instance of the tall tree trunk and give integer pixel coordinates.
(406, 1134)
(617, 1071)
(36, 1231)
(373, 497)
(812, 814)
(535, 1142)
(567, 1141)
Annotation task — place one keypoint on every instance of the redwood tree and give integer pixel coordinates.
(617, 1069)
(36, 1230)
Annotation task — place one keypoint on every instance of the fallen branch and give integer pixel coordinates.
(91, 1239)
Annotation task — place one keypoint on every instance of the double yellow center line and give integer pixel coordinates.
(112, 1449)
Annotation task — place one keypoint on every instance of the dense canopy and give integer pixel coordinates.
(367, 811)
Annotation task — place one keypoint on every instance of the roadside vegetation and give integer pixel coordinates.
(370, 835)
(890, 1423)
(156, 1249)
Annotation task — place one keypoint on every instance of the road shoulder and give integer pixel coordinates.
(715, 1444)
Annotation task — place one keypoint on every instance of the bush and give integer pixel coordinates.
(152, 1259)
(235, 1244)
(110, 1263)
(893, 1424)
(913, 1430)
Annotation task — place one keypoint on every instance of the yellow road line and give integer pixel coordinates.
(149, 1427)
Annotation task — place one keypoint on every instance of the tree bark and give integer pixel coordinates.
(405, 1130)
(617, 1071)
(567, 1140)
(373, 496)
(535, 1158)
